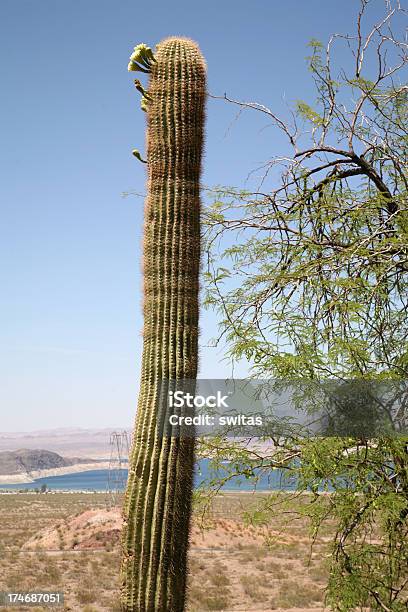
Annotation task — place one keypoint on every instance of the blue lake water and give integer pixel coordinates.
(99, 480)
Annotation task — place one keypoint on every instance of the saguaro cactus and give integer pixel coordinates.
(157, 503)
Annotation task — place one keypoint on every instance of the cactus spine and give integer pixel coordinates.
(157, 502)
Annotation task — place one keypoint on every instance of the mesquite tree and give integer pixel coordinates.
(158, 497)
(309, 274)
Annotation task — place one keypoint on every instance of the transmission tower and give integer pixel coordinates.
(118, 462)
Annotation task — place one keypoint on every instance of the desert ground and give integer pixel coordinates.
(70, 542)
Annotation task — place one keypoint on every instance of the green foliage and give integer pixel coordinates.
(368, 503)
(309, 278)
(307, 112)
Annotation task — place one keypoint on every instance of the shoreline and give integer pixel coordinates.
(25, 478)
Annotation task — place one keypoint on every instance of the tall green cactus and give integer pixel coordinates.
(157, 503)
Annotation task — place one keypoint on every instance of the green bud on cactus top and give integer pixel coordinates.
(133, 67)
(138, 156)
(141, 59)
(144, 52)
(142, 90)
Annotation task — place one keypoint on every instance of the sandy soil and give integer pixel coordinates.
(231, 566)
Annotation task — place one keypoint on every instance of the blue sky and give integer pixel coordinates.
(70, 242)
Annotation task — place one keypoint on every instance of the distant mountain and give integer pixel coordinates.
(24, 460)
(69, 441)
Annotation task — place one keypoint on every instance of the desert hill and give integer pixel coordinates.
(23, 461)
